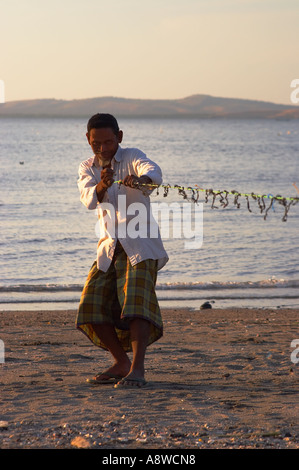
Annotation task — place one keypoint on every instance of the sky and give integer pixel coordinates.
(155, 49)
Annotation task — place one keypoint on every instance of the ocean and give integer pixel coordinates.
(48, 238)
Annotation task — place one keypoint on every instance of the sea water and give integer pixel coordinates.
(48, 238)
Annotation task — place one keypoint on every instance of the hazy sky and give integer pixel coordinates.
(72, 49)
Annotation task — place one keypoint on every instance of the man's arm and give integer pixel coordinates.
(92, 192)
(133, 181)
(87, 187)
(143, 166)
(106, 181)
(145, 172)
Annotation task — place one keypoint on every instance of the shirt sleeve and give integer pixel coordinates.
(145, 167)
(87, 186)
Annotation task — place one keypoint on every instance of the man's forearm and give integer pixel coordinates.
(100, 189)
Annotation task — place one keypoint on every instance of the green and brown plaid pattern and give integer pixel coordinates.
(118, 295)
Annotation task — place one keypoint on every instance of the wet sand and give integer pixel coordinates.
(216, 379)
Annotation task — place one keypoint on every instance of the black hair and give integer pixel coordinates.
(101, 120)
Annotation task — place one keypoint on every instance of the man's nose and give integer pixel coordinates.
(103, 147)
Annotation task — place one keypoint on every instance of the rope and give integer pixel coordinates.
(193, 196)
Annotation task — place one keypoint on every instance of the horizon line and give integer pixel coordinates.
(147, 99)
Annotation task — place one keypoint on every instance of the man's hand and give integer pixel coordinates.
(133, 181)
(107, 179)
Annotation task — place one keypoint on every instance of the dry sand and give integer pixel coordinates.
(217, 379)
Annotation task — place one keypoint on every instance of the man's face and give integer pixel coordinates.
(104, 143)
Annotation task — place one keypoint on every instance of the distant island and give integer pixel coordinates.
(196, 106)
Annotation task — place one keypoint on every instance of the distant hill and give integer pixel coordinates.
(197, 106)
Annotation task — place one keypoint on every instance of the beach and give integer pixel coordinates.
(218, 378)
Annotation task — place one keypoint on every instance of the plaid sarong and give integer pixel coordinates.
(118, 295)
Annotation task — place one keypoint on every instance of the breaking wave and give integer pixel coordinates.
(212, 285)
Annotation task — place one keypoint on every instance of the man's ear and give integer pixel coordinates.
(87, 135)
(120, 136)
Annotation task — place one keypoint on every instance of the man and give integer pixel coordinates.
(118, 309)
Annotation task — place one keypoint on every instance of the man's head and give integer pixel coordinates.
(104, 136)
(101, 121)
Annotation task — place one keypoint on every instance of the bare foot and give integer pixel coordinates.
(133, 379)
(117, 371)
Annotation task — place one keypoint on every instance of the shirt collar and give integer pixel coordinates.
(118, 154)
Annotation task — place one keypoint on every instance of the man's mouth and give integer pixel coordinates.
(103, 156)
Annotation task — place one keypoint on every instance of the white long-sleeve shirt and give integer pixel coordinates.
(138, 234)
